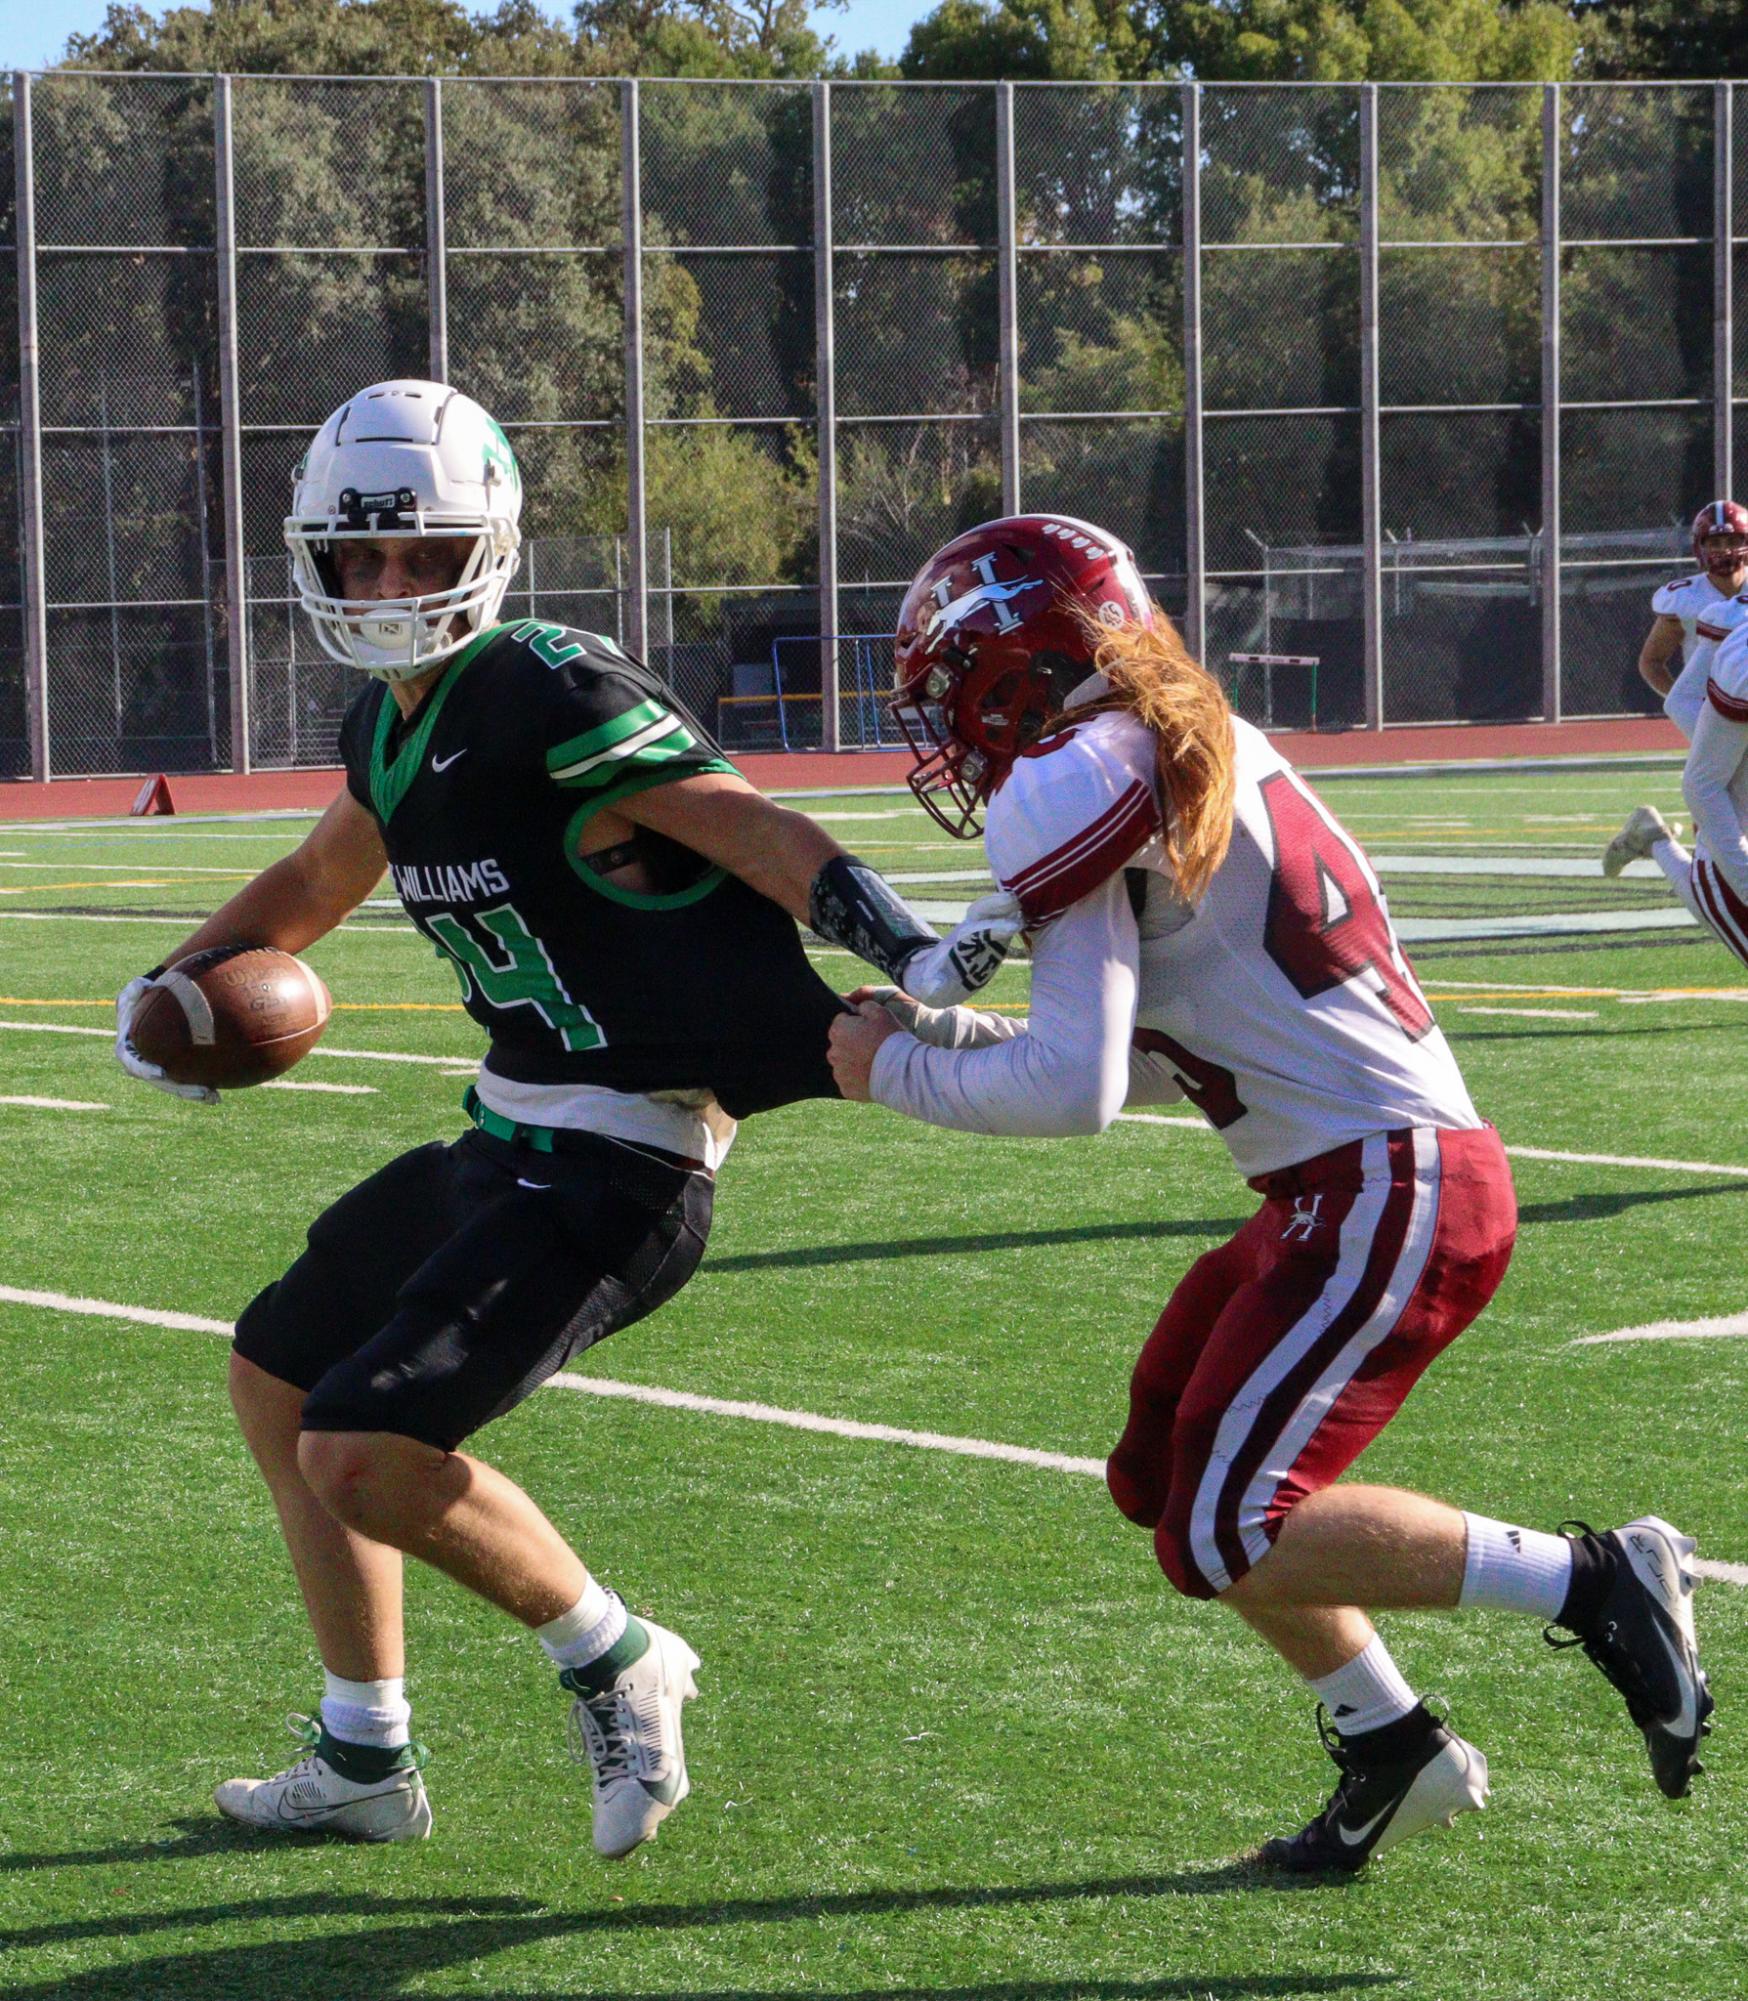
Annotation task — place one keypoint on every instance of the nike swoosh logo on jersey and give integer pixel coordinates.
(443, 763)
(520, 1183)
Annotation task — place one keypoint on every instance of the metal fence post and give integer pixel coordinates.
(436, 235)
(636, 470)
(36, 622)
(1551, 134)
(826, 404)
(1723, 288)
(1371, 495)
(1007, 237)
(1195, 586)
(231, 432)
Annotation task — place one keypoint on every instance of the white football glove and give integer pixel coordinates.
(942, 1027)
(126, 1005)
(964, 962)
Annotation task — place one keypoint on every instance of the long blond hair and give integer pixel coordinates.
(1153, 677)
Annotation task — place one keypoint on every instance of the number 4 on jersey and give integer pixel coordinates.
(524, 977)
(1326, 925)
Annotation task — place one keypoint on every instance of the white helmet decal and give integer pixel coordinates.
(954, 612)
(405, 458)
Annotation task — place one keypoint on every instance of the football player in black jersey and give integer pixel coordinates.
(619, 906)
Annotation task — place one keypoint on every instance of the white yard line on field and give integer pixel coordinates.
(56, 1104)
(1536, 1013)
(1626, 1160)
(336, 1090)
(1725, 1327)
(703, 1406)
(1127, 1118)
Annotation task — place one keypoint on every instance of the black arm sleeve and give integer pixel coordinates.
(851, 905)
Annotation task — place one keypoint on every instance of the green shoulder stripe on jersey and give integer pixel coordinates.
(390, 778)
(657, 739)
(565, 758)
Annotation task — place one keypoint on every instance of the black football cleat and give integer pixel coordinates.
(1395, 1782)
(1641, 1637)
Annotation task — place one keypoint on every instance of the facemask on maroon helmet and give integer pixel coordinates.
(1720, 538)
(995, 631)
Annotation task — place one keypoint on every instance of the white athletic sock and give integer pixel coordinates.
(584, 1633)
(367, 1712)
(1677, 866)
(1515, 1570)
(1366, 1694)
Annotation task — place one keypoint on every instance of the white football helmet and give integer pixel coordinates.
(405, 458)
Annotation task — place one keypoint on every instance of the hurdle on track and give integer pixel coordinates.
(1268, 662)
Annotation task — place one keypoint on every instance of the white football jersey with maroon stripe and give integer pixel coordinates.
(1707, 614)
(1282, 1001)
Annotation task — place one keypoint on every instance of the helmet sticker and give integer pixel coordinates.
(954, 611)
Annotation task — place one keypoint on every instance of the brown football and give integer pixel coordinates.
(230, 1016)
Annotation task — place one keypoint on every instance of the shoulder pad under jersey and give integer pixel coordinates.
(1071, 812)
(1727, 682)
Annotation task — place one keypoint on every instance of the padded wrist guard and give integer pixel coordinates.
(850, 905)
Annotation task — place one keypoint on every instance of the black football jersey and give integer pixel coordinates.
(482, 794)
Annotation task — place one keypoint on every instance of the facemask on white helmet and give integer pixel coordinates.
(407, 459)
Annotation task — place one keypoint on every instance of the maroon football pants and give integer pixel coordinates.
(1284, 1353)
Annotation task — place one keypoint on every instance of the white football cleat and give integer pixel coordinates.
(1395, 1783)
(1645, 827)
(310, 1797)
(1642, 1638)
(628, 1734)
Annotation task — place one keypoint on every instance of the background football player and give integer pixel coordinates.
(1712, 880)
(1692, 613)
(619, 906)
(1709, 703)
(1184, 890)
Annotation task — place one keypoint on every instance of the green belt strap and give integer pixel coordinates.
(488, 1121)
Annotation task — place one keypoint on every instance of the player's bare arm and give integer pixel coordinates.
(1662, 644)
(793, 860)
(772, 848)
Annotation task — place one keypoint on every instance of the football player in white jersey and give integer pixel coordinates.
(1692, 613)
(1196, 912)
(1712, 880)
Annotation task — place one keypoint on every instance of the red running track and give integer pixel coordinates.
(267, 791)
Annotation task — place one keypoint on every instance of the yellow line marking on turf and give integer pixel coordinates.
(399, 1007)
(143, 882)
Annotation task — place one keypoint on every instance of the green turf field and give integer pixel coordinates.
(956, 1736)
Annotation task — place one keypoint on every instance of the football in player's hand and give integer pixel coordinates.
(230, 1016)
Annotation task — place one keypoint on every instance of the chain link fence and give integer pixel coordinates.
(1420, 382)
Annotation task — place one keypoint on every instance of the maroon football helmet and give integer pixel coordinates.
(1720, 537)
(995, 631)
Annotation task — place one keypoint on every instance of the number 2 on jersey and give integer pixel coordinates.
(1325, 923)
(523, 978)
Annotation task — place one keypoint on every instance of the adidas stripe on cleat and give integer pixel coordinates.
(1395, 1782)
(1642, 1639)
